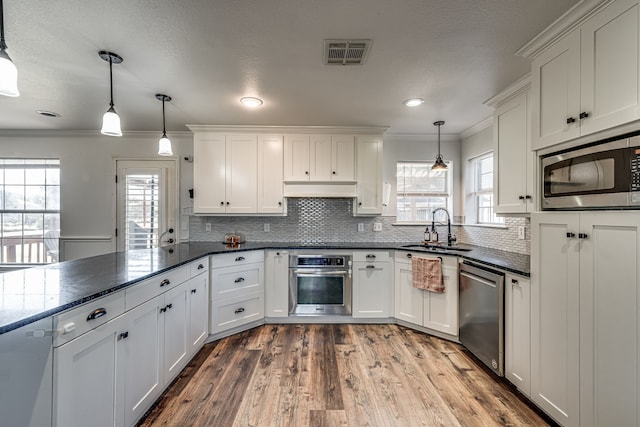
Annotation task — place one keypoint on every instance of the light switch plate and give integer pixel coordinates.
(207, 226)
(267, 228)
(377, 226)
(360, 227)
(521, 232)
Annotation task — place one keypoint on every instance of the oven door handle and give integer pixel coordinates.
(320, 272)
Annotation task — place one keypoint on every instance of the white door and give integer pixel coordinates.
(407, 300)
(198, 311)
(517, 332)
(270, 164)
(320, 158)
(241, 185)
(209, 173)
(343, 161)
(146, 204)
(296, 158)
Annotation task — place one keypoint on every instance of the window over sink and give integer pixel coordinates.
(421, 190)
(482, 168)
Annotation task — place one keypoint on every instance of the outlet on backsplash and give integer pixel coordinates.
(521, 232)
(207, 227)
(377, 226)
(360, 227)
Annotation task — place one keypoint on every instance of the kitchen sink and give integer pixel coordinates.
(437, 247)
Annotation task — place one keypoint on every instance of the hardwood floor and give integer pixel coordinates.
(337, 375)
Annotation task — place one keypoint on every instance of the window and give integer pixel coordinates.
(421, 190)
(483, 190)
(29, 211)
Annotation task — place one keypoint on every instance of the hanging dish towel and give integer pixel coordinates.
(427, 274)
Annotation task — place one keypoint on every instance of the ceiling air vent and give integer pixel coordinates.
(346, 52)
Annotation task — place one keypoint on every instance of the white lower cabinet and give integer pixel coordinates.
(372, 284)
(436, 311)
(198, 299)
(276, 283)
(584, 312)
(517, 332)
(237, 290)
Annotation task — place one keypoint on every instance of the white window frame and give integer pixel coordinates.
(402, 193)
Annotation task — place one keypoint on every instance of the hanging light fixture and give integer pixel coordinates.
(164, 145)
(111, 120)
(439, 165)
(8, 70)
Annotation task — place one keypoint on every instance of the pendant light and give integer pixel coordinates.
(164, 145)
(439, 165)
(111, 120)
(8, 70)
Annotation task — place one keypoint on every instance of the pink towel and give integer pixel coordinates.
(427, 274)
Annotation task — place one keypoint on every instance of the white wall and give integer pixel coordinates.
(87, 163)
(420, 148)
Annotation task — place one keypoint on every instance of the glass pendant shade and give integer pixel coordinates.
(164, 146)
(8, 76)
(111, 123)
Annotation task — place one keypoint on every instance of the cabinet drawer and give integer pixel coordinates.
(82, 319)
(154, 286)
(370, 256)
(236, 258)
(199, 266)
(233, 281)
(233, 312)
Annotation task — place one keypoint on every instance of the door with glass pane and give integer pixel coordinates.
(146, 204)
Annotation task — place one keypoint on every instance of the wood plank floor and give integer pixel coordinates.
(337, 375)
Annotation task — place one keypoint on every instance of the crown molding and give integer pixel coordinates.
(370, 130)
(516, 88)
(480, 126)
(52, 133)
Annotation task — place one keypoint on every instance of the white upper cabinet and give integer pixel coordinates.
(225, 173)
(589, 80)
(514, 174)
(369, 170)
(319, 158)
(270, 162)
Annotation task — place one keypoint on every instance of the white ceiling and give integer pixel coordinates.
(207, 54)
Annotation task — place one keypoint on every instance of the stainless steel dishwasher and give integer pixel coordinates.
(481, 314)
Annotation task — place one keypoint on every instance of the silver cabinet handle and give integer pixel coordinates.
(97, 313)
(165, 282)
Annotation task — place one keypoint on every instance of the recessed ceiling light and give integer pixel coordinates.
(413, 102)
(47, 113)
(249, 101)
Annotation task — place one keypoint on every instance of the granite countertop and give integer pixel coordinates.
(35, 293)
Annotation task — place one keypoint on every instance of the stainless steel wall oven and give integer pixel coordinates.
(320, 285)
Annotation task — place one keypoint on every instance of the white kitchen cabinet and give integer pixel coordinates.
(369, 176)
(590, 79)
(26, 372)
(319, 158)
(198, 294)
(88, 379)
(236, 290)
(372, 284)
(517, 332)
(276, 283)
(270, 174)
(176, 318)
(225, 174)
(584, 312)
(514, 172)
(435, 311)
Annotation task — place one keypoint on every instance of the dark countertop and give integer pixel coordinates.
(35, 293)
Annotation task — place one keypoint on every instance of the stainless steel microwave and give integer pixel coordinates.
(606, 175)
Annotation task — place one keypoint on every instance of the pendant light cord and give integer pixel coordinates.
(3, 45)
(439, 155)
(164, 128)
(110, 78)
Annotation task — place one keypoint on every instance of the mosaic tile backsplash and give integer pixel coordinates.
(311, 220)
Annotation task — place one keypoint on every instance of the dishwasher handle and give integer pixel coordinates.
(477, 279)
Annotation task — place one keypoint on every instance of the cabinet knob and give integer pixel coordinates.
(582, 236)
(169, 306)
(409, 256)
(123, 336)
(334, 172)
(571, 235)
(165, 282)
(239, 310)
(514, 281)
(200, 266)
(279, 203)
(359, 203)
(571, 120)
(306, 172)
(520, 197)
(193, 291)
(227, 203)
(221, 203)
(528, 197)
(583, 115)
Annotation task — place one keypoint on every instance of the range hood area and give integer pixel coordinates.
(320, 190)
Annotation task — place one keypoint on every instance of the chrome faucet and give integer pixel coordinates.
(450, 237)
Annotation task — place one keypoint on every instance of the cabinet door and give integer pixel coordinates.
(175, 317)
(296, 158)
(372, 284)
(143, 358)
(87, 378)
(241, 174)
(555, 87)
(270, 164)
(209, 171)
(369, 165)
(610, 67)
(440, 311)
(343, 160)
(555, 313)
(517, 332)
(511, 156)
(276, 283)
(320, 158)
(407, 300)
(609, 320)
(198, 288)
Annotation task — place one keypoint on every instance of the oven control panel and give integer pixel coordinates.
(319, 261)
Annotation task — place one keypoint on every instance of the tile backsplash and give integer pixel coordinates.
(315, 220)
